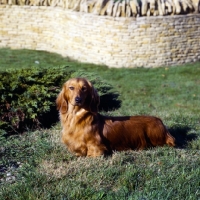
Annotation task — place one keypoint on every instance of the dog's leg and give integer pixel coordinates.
(94, 151)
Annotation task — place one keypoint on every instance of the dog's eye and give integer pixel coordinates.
(71, 88)
(84, 89)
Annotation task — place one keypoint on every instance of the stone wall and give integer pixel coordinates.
(112, 41)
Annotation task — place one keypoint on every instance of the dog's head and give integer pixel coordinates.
(78, 92)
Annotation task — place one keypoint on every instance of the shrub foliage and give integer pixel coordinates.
(28, 97)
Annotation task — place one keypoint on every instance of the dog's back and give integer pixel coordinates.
(136, 132)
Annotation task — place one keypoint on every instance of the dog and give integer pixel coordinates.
(87, 133)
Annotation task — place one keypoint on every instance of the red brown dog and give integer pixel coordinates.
(87, 133)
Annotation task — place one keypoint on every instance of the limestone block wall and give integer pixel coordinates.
(112, 41)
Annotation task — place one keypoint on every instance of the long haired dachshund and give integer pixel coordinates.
(87, 133)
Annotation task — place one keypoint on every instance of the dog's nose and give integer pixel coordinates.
(78, 100)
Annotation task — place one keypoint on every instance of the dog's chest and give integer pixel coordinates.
(76, 132)
(76, 123)
(72, 124)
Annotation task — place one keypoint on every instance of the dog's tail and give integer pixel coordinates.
(170, 140)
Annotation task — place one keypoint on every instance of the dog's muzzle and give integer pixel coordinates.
(78, 100)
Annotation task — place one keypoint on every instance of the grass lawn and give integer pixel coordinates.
(35, 165)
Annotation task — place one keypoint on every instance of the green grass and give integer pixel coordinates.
(35, 165)
(16, 59)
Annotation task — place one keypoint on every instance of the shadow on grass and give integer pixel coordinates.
(109, 102)
(182, 136)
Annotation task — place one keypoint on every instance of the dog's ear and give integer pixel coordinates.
(61, 102)
(94, 99)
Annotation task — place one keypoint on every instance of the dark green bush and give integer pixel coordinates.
(28, 97)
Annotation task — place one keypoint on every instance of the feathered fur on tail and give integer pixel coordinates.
(170, 140)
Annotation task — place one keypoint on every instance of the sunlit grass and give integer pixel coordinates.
(27, 58)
